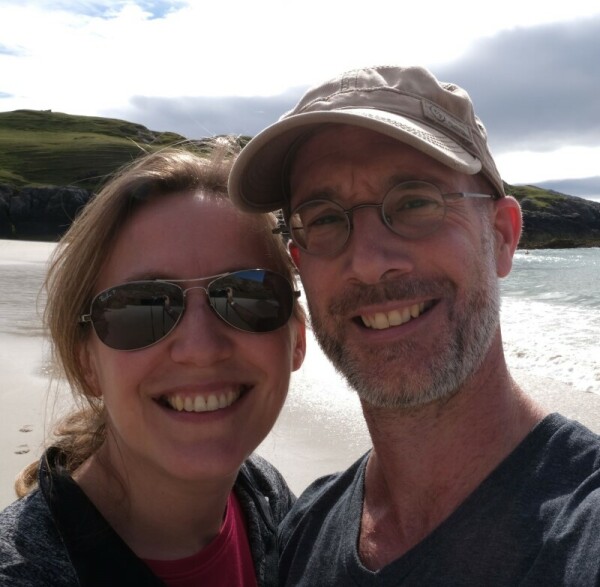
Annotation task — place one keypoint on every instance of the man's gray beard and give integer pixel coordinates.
(473, 325)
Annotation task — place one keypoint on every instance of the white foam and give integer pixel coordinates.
(556, 341)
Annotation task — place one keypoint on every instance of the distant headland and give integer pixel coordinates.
(52, 163)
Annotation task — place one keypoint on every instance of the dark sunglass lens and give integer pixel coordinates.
(255, 300)
(137, 314)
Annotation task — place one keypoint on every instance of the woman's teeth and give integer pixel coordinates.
(201, 403)
(381, 320)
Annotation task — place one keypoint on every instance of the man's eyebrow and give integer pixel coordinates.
(395, 178)
(410, 176)
(319, 193)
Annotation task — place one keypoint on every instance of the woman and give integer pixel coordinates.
(172, 315)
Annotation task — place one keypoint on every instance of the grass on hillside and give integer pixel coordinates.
(40, 148)
(538, 197)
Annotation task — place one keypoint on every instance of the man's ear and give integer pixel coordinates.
(294, 253)
(508, 222)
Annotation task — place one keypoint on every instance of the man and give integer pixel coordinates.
(400, 229)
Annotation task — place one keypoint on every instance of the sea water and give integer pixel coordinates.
(551, 315)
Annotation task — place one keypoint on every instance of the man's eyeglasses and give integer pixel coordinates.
(411, 209)
(138, 314)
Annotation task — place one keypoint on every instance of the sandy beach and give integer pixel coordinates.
(319, 431)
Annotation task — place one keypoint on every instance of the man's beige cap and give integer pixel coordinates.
(405, 103)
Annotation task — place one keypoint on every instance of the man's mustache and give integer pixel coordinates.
(358, 295)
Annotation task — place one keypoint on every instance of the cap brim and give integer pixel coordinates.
(256, 182)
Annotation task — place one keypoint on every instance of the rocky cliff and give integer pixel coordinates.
(38, 213)
(555, 221)
(559, 221)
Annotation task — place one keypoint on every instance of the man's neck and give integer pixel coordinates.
(426, 461)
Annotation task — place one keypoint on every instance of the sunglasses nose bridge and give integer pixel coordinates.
(209, 302)
(185, 291)
(188, 289)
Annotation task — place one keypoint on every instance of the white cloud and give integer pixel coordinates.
(94, 56)
(533, 167)
(236, 47)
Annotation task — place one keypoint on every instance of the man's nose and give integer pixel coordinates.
(373, 251)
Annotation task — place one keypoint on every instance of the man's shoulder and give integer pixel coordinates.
(560, 504)
(558, 459)
(562, 439)
(334, 486)
(570, 469)
(325, 495)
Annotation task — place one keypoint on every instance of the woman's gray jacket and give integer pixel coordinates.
(56, 537)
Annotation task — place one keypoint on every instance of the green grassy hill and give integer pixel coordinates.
(44, 148)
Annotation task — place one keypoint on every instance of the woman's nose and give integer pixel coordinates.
(201, 337)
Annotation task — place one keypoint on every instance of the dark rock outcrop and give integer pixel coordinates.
(39, 213)
(45, 213)
(560, 222)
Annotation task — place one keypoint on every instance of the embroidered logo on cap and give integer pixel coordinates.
(442, 118)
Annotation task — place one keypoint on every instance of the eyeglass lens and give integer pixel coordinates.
(138, 314)
(410, 209)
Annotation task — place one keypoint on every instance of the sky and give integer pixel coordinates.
(207, 68)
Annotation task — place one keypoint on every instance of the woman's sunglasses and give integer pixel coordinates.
(138, 314)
